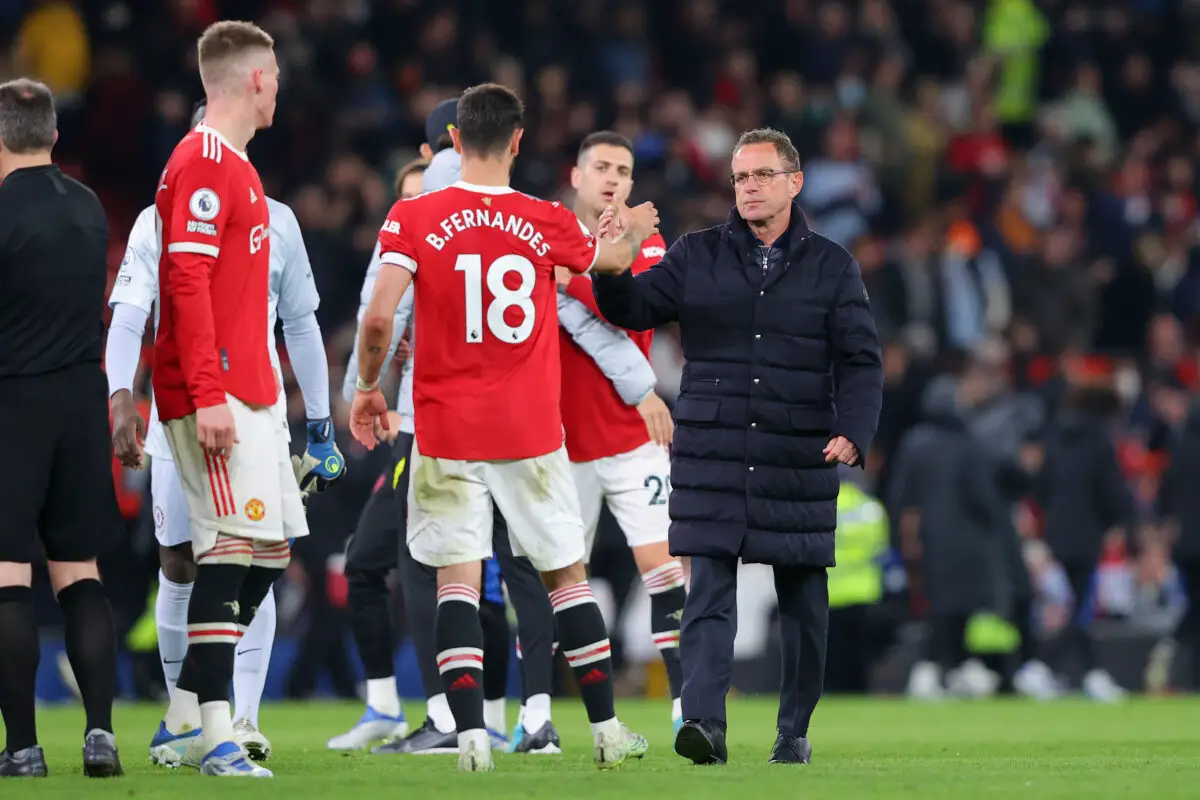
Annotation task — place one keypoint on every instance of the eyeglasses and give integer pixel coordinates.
(761, 176)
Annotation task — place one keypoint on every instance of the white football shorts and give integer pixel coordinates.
(635, 485)
(251, 493)
(450, 509)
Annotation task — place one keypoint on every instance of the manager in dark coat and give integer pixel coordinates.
(783, 382)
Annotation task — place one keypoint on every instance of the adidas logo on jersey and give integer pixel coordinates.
(253, 196)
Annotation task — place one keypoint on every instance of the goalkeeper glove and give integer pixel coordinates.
(322, 463)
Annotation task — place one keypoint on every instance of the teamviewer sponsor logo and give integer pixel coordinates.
(258, 235)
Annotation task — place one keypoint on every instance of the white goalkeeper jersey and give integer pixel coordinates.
(292, 291)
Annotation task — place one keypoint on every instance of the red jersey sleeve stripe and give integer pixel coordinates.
(399, 260)
(194, 247)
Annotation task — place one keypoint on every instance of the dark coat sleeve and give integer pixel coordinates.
(857, 365)
(648, 300)
(1117, 505)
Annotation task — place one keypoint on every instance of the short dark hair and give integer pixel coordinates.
(416, 165)
(787, 151)
(488, 115)
(27, 118)
(224, 41)
(610, 138)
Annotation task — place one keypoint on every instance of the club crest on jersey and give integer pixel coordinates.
(255, 510)
(204, 205)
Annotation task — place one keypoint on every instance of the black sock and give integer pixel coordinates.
(212, 631)
(19, 656)
(371, 623)
(419, 586)
(494, 620)
(585, 644)
(91, 641)
(667, 596)
(257, 583)
(460, 654)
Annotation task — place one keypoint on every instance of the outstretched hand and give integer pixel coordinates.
(368, 410)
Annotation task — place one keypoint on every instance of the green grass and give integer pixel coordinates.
(862, 748)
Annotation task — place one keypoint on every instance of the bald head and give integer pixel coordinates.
(230, 51)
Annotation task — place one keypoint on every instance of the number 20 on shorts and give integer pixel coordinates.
(504, 298)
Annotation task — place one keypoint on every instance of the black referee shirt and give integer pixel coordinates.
(53, 273)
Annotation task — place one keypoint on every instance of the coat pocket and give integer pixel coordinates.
(812, 420)
(694, 409)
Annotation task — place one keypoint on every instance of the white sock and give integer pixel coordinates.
(170, 620)
(495, 715)
(521, 715)
(218, 725)
(537, 712)
(610, 728)
(382, 696)
(677, 708)
(480, 738)
(183, 712)
(252, 659)
(437, 708)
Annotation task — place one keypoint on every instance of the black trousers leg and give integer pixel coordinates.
(535, 615)
(418, 583)
(1079, 634)
(1188, 632)
(804, 631)
(946, 642)
(706, 637)
(848, 662)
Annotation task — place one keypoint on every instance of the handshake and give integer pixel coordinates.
(637, 224)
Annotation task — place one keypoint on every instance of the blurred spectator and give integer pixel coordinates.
(1084, 497)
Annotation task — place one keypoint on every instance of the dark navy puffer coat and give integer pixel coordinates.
(779, 361)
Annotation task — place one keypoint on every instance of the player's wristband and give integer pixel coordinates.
(363, 386)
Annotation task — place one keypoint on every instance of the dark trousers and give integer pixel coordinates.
(535, 615)
(1188, 632)
(1077, 638)
(947, 645)
(848, 666)
(710, 625)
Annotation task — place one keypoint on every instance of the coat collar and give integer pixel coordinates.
(797, 231)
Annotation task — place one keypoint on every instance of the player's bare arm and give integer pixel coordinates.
(369, 407)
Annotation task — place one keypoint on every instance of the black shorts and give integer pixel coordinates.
(59, 482)
(375, 545)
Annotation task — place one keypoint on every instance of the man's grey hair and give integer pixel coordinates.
(787, 151)
(28, 122)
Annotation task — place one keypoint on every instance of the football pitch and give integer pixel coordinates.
(861, 748)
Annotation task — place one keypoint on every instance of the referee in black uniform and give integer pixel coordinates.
(58, 489)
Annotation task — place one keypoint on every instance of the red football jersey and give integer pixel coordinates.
(212, 276)
(597, 421)
(486, 365)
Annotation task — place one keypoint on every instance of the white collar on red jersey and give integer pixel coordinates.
(224, 142)
(475, 187)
